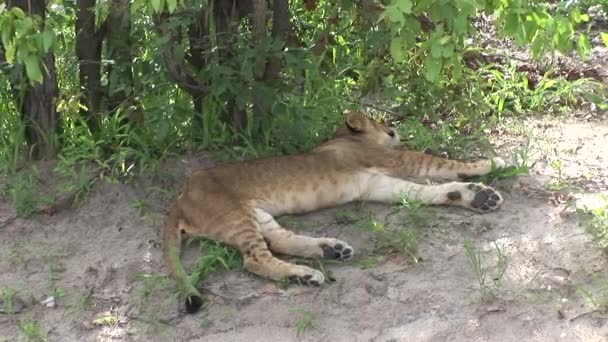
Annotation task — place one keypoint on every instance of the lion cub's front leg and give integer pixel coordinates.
(474, 196)
(420, 165)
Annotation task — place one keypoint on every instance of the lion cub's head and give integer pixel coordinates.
(358, 125)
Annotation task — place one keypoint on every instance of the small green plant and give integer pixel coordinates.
(55, 270)
(401, 241)
(416, 213)
(80, 182)
(306, 321)
(345, 216)
(23, 194)
(522, 165)
(7, 298)
(205, 323)
(30, 331)
(442, 141)
(390, 240)
(371, 261)
(598, 296)
(138, 205)
(106, 319)
(595, 222)
(152, 283)
(559, 183)
(79, 302)
(214, 256)
(489, 287)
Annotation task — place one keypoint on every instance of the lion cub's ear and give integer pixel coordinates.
(356, 120)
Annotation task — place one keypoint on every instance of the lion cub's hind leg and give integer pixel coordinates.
(283, 241)
(258, 259)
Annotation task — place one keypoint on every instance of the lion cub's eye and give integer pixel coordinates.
(391, 133)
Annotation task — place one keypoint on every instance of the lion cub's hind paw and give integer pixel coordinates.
(485, 199)
(499, 163)
(337, 249)
(313, 278)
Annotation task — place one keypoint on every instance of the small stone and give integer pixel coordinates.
(49, 302)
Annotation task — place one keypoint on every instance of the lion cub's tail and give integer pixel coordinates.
(172, 250)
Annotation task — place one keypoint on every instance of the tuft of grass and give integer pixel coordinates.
(24, 195)
(106, 319)
(79, 302)
(138, 205)
(214, 256)
(521, 165)
(489, 287)
(152, 284)
(598, 296)
(595, 222)
(30, 332)
(306, 321)
(389, 240)
(7, 297)
(371, 261)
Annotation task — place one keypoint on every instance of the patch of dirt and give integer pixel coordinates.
(89, 259)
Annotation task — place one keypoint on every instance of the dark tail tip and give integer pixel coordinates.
(193, 303)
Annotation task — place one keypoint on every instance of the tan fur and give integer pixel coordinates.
(235, 203)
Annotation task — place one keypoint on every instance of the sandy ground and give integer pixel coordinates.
(91, 259)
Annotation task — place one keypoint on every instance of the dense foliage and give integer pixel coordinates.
(117, 82)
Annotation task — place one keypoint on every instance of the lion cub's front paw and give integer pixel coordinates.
(337, 249)
(483, 198)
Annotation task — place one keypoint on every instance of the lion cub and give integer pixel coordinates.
(236, 203)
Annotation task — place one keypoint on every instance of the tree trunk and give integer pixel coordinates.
(197, 57)
(227, 18)
(37, 103)
(88, 51)
(280, 31)
(118, 47)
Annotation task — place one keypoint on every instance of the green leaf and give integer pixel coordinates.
(583, 46)
(9, 53)
(537, 45)
(575, 14)
(436, 50)
(604, 36)
(393, 14)
(18, 12)
(448, 50)
(155, 5)
(405, 6)
(171, 5)
(460, 24)
(444, 40)
(456, 69)
(32, 68)
(397, 50)
(433, 68)
(47, 40)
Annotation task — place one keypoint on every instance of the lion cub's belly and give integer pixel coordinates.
(315, 194)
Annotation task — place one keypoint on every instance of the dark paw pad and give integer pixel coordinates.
(486, 198)
(338, 250)
(193, 303)
(305, 280)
